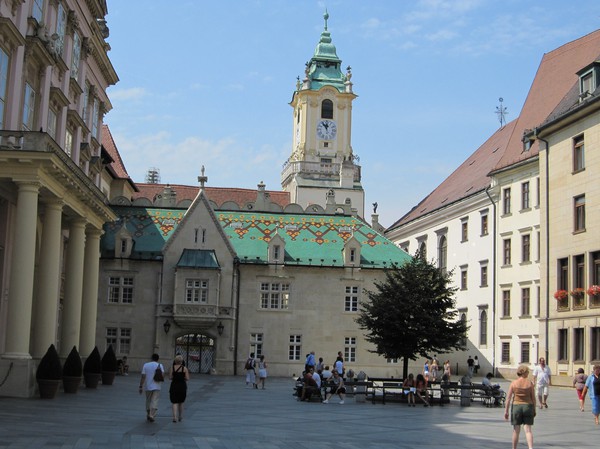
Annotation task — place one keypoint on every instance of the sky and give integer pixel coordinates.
(208, 83)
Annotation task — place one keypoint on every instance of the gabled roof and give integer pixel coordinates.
(116, 165)
(467, 180)
(217, 195)
(555, 78)
(554, 84)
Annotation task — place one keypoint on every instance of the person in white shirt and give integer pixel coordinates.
(151, 387)
(542, 378)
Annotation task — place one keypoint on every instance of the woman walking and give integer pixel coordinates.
(521, 395)
(262, 371)
(579, 384)
(592, 384)
(177, 392)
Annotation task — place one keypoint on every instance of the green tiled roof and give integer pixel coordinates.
(309, 239)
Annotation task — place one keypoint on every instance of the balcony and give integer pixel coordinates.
(315, 170)
(199, 316)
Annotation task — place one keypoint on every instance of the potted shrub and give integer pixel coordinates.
(49, 373)
(92, 369)
(72, 371)
(109, 366)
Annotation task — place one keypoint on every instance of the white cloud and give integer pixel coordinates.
(133, 93)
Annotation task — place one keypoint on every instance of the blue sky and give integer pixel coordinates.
(209, 82)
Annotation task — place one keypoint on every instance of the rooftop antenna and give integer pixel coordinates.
(501, 112)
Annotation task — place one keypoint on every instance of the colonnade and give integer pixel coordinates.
(33, 298)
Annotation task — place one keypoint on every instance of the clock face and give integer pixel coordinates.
(326, 129)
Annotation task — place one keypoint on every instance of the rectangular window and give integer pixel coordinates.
(506, 303)
(595, 344)
(69, 142)
(37, 10)
(86, 101)
(578, 344)
(537, 191)
(463, 279)
(76, 56)
(525, 352)
(350, 349)
(484, 225)
(351, 300)
(525, 301)
(525, 248)
(61, 28)
(28, 107)
(595, 277)
(274, 295)
(124, 341)
(295, 348)
(196, 290)
(120, 289)
(51, 123)
(464, 231)
(3, 84)
(579, 205)
(505, 352)
(506, 249)
(111, 337)
(579, 274)
(578, 154)
(563, 345)
(506, 201)
(484, 276)
(563, 274)
(95, 117)
(256, 344)
(525, 195)
(352, 255)
(276, 251)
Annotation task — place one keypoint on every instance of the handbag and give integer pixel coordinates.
(158, 375)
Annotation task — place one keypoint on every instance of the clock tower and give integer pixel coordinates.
(322, 163)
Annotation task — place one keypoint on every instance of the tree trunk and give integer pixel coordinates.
(405, 367)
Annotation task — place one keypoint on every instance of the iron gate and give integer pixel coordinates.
(198, 352)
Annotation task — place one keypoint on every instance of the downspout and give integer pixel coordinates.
(547, 182)
(493, 282)
(236, 286)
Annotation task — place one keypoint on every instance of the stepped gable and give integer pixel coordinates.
(555, 78)
(218, 195)
(468, 179)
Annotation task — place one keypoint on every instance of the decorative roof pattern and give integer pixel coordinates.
(309, 239)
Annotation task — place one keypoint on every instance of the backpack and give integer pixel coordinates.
(158, 374)
(249, 364)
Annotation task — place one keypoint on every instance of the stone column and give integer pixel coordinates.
(45, 311)
(89, 307)
(71, 315)
(20, 293)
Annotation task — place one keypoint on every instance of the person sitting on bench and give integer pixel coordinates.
(421, 389)
(312, 384)
(337, 387)
(123, 367)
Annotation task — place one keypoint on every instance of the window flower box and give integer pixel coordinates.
(559, 295)
(594, 292)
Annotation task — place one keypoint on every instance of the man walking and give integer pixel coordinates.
(151, 386)
(542, 378)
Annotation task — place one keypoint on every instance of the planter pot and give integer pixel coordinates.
(108, 377)
(48, 388)
(91, 379)
(71, 383)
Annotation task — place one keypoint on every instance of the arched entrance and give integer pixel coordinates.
(198, 352)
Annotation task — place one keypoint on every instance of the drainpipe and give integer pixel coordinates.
(547, 182)
(493, 282)
(236, 286)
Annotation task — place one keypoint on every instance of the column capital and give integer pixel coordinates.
(94, 232)
(30, 186)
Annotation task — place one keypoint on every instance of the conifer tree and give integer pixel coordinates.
(412, 313)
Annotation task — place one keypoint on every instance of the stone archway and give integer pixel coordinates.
(198, 352)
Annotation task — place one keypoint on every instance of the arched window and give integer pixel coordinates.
(442, 253)
(327, 109)
(483, 328)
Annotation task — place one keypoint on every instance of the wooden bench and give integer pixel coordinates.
(353, 388)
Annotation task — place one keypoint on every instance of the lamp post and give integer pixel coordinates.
(167, 326)
(220, 328)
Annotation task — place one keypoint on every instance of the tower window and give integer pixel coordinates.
(327, 109)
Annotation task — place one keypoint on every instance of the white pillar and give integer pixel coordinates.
(89, 307)
(20, 293)
(45, 311)
(71, 315)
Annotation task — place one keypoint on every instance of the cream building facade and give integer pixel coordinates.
(54, 71)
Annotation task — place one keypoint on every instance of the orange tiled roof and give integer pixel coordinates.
(218, 195)
(109, 144)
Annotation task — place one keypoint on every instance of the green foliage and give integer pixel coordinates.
(49, 367)
(109, 360)
(73, 366)
(412, 313)
(93, 364)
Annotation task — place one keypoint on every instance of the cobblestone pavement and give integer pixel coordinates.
(221, 413)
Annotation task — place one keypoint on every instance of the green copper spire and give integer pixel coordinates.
(324, 67)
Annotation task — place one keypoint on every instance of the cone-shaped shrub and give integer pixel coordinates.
(49, 367)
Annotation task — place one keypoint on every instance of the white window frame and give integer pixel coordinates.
(274, 295)
(28, 107)
(120, 289)
(4, 63)
(256, 344)
(196, 291)
(349, 349)
(295, 347)
(351, 299)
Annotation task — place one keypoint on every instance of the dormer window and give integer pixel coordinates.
(589, 78)
(276, 252)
